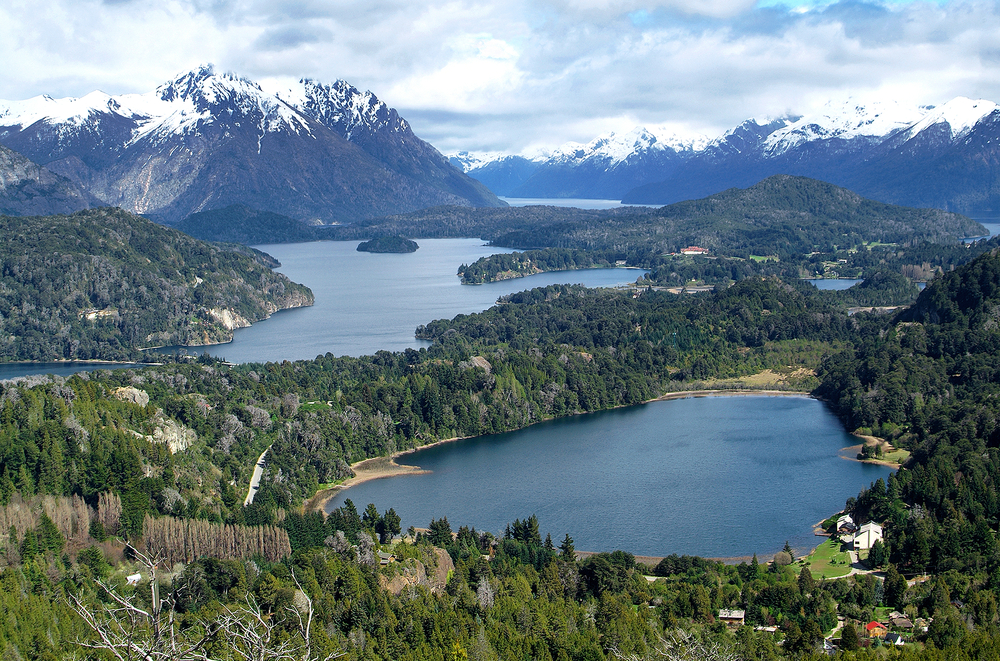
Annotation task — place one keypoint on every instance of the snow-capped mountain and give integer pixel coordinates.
(606, 167)
(922, 156)
(943, 156)
(320, 153)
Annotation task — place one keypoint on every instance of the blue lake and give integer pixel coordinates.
(833, 284)
(68, 368)
(712, 476)
(365, 302)
(368, 301)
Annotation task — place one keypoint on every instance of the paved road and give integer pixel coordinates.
(258, 471)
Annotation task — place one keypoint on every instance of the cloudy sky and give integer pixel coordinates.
(520, 75)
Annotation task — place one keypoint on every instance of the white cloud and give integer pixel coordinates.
(484, 74)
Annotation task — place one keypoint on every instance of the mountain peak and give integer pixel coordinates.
(206, 139)
(961, 114)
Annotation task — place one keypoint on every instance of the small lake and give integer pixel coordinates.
(67, 368)
(366, 302)
(833, 284)
(710, 476)
(574, 202)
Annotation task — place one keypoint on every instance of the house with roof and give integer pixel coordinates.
(900, 622)
(894, 639)
(875, 630)
(845, 524)
(732, 618)
(694, 250)
(867, 535)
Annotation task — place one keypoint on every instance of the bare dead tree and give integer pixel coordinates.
(130, 632)
(680, 645)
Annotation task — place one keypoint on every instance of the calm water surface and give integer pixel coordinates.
(574, 202)
(14, 370)
(369, 301)
(833, 284)
(712, 476)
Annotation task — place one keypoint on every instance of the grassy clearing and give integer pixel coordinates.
(896, 456)
(828, 560)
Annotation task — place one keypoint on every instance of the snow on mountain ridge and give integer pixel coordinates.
(202, 96)
(339, 105)
(67, 110)
(473, 160)
(961, 114)
(611, 147)
(845, 120)
(615, 148)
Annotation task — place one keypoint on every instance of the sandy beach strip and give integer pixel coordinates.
(370, 469)
(723, 392)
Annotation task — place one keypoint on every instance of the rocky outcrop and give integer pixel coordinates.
(411, 573)
(133, 395)
(166, 430)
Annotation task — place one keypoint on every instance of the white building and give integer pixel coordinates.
(846, 524)
(866, 536)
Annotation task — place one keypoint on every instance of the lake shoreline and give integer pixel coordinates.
(375, 468)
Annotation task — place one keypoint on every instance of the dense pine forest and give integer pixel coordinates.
(102, 284)
(106, 474)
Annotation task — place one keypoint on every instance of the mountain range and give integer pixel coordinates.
(316, 152)
(922, 156)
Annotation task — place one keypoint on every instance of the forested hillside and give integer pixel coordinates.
(103, 283)
(782, 216)
(162, 456)
(929, 382)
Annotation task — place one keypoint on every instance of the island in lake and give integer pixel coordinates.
(388, 244)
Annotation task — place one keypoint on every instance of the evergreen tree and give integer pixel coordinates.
(566, 550)
(49, 537)
(390, 525)
(894, 587)
(440, 532)
(849, 637)
(877, 554)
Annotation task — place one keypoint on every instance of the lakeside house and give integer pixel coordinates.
(694, 250)
(867, 535)
(732, 618)
(845, 524)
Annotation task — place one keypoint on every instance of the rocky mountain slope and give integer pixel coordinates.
(102, 283)
(318, 153)
(605, 168)
(27, 189)
(920, 156)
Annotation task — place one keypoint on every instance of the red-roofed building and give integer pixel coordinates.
(875, 629)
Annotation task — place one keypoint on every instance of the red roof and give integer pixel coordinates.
(871, 626)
